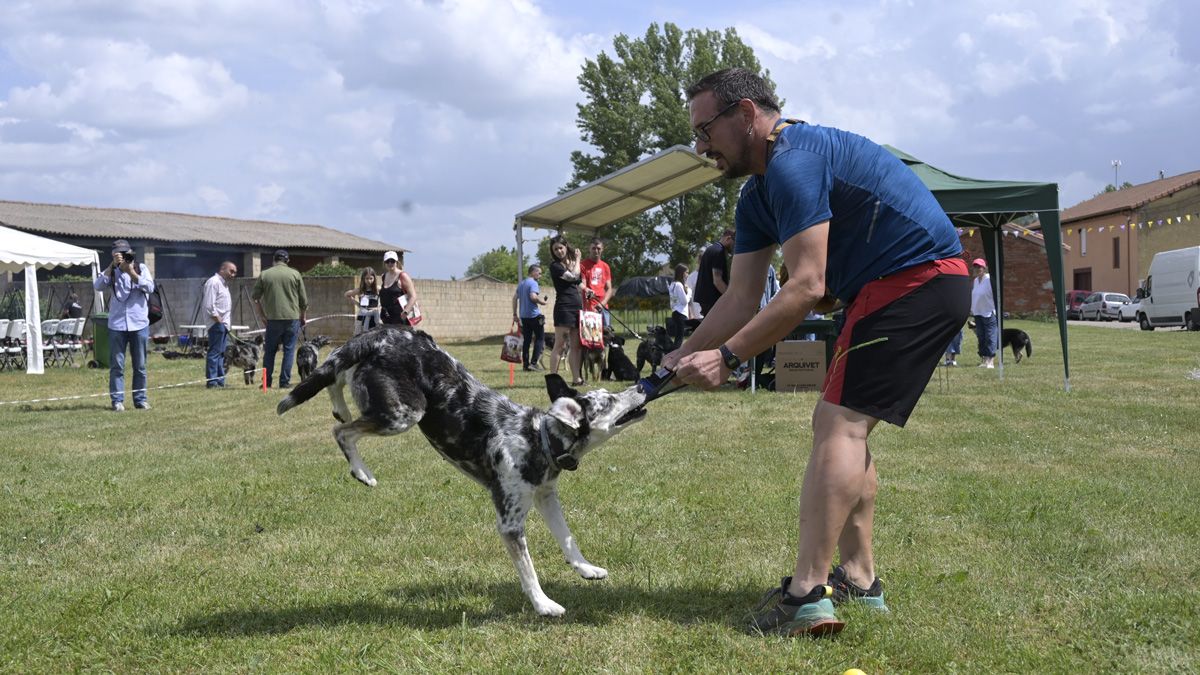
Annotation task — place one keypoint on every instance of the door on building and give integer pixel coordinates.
(1082, 279)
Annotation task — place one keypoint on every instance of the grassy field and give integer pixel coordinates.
(1020, 529)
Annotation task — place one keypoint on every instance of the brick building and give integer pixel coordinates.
(1026, 289)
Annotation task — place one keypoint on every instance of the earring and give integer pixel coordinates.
(749, 131)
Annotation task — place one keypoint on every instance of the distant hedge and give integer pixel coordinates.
(328, 270)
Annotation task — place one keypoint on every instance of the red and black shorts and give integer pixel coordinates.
(896, 331)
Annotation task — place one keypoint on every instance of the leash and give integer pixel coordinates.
(610, 313)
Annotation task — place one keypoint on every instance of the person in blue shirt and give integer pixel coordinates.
(858, 228)
(130, 285)
(527, 303)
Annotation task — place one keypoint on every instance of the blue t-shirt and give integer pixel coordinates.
(882, 218)
(526, 308)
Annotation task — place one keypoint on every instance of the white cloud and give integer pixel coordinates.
(1016, 21)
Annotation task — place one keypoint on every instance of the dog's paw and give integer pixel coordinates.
(591, 572)
(548, 607)
(364, 477)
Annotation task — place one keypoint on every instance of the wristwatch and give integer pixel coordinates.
(731, 360)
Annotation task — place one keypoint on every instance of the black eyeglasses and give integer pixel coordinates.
(389, 262)
(701, 132)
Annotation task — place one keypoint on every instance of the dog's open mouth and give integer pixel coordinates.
(631, 416)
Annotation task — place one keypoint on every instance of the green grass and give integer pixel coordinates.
(1020, 529)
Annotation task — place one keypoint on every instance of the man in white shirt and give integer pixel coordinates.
(218, 306)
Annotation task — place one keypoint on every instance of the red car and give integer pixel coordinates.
(1074, 300)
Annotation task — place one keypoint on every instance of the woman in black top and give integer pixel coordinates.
(397, 295)
(568, 302)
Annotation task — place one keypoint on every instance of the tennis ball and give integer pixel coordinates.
(854, 671)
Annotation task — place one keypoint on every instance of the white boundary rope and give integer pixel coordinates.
(165, 386)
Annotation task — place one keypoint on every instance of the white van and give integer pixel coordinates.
(1171, 295)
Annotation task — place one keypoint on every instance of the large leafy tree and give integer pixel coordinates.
(635, 108)
(500, 263)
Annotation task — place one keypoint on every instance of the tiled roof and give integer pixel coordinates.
(86, 221)
(1130, 198)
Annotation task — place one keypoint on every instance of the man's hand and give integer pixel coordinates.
(705, 369)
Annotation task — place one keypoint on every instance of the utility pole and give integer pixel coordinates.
(1116, 165)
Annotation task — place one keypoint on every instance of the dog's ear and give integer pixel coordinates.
(557, 388)
(566, 410)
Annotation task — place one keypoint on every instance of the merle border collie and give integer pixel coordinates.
(399, 378)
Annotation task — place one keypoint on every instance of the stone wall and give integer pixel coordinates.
(455, 311)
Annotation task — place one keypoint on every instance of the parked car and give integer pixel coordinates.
(1074, 300)
(1102, 306)
(1129, 311)
(1172, 289)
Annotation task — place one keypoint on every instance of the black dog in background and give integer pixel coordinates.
(654, 347)
(618, 367)
(1018, 340)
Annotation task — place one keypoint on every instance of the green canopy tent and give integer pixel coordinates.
(989, 204)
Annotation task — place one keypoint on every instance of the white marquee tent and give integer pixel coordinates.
(21, 251)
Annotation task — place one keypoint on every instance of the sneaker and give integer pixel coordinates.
(118, 407)
(790, 616)
(144, 405)
(845, 591)
(528, 369)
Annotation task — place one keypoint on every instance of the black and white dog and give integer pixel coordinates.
(308, 354)
(244, 356)
(400, 378)
(1018, 340)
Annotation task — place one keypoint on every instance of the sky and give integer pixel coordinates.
(430, 124)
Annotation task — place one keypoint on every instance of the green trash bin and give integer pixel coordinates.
(100, 338)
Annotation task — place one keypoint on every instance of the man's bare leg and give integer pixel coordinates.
(835, 484)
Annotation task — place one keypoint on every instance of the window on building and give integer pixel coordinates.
(1116, 253)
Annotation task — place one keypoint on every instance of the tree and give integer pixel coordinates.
(1112, 188)
(635, 108)
(500, 263)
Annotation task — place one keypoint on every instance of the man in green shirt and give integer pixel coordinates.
(283, 305)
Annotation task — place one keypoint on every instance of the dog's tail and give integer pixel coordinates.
(340, 359)
(1029, 348)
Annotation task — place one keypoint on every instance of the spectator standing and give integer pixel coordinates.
(282, 303)
(568, 302)
(694, 312)
(71, 308)
(983, 308)
(679, 306)
(713, 278)
(365, 298)
(218, 307)
(889, 250)
(527, 302)
(130, 286)
(597, 281)
(397, 294)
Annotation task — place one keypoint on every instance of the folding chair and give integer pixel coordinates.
(16, 343)
(3, 343)
(77, 343)
(62, 341)
(49, 347)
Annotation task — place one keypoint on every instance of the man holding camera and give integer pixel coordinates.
(854, 223)
(130, 286)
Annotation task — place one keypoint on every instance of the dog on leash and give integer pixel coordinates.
(618, 367)
(245, 356)
(400, 378)
(652, 349)
(1018, 340)
(308, 354)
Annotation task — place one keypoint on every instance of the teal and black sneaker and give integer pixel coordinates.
(781, 613)
(846, 591)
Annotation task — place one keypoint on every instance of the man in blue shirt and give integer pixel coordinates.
(856, 226)
(526, 309)
(129, 284)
